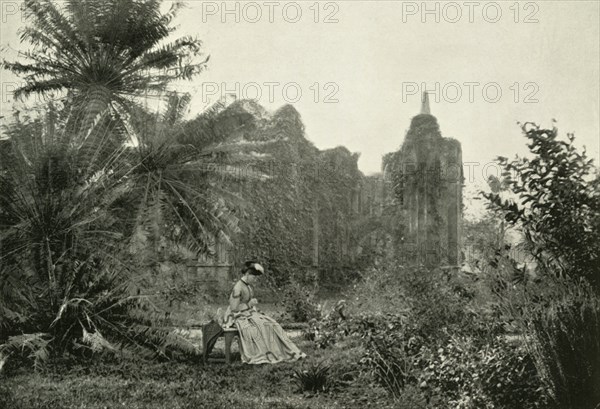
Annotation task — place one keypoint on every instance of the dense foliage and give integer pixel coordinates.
(557, 205)
(299, 220)
(86, 220)
(81, 230)
(83, 214)
(438, 349)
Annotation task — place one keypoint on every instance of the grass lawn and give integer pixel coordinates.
(134, 384)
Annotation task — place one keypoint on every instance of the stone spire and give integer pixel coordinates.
(425, 104)
(430, 205)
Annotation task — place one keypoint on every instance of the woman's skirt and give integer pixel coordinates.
(262, 340)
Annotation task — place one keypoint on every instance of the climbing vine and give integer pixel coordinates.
(299, 221)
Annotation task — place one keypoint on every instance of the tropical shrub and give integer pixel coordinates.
(64, 270)
(557, 206)
(81, 229)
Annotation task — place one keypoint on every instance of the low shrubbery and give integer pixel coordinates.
(441, 351)
(300, 303)
(463, 373)
(555, 203)
(448, 350)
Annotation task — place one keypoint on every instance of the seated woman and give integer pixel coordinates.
(262, 340)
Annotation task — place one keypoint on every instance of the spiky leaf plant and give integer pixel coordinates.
(314, 378)
(65, 268)
(76, 200)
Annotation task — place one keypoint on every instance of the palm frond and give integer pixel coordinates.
(95, 45)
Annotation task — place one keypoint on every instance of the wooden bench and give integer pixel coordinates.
(229, 334)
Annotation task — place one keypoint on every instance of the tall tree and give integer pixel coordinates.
(106, 54)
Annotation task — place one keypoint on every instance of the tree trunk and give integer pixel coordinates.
(95, 107)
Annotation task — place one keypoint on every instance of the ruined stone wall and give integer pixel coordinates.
(300, 220)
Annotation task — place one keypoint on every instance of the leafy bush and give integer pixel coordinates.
(339, 326)
(441, 350)
(300, 303)
(463, 373)
(557, 204)
(437, 301)
(436, 307)
(495, 375)
(378, 290)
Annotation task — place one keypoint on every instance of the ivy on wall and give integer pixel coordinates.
(301, 220)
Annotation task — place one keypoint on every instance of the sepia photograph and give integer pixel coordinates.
(304, 204)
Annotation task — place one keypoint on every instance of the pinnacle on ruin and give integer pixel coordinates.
(425, 104)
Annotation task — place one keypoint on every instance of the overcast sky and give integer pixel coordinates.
(368, 61)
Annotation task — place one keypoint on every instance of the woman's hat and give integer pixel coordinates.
(256, 269)
(259, 269)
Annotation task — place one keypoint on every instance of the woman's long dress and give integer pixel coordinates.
(262, 340)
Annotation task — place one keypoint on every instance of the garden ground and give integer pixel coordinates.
(135, 384)
(122, 383)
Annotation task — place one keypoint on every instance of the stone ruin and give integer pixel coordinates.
(424, 180)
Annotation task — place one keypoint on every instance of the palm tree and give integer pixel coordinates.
(69, 231)
(60, 240)
(69, 202)
(182, 174)
(106, 54)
